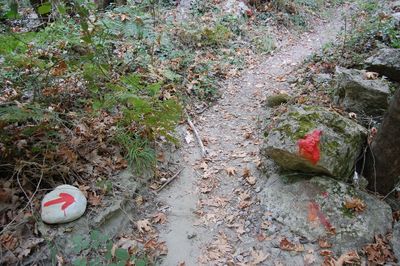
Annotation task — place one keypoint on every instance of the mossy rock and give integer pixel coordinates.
(340, 143)
(277, 99)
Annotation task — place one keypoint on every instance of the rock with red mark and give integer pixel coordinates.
(64, 204)
(309, 146)
(302, 207)
(315, 140)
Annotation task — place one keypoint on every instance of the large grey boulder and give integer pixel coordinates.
(386, 62)
(315, 209)
(341, 141)
(357, 93)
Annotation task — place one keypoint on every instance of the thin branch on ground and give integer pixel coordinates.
(170, 180)
(196, 133)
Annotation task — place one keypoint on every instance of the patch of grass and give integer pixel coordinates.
(139, 154)
(265, 44)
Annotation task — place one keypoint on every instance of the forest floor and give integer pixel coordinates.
(200, 68)
(213, 207)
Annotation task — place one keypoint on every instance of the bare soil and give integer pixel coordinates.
(214, 214)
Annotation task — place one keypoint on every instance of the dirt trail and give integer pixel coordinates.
(214, 215)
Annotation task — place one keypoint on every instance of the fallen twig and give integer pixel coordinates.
(196, 133)
(169, 181)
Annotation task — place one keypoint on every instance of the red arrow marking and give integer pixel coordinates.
(65, 198)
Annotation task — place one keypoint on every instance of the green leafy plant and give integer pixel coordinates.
(107, 253)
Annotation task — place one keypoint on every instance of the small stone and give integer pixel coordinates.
(258, 189)
(64, 204)
(239, 258)
(192, 235)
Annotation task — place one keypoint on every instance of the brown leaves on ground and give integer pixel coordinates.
(217, 251)
(94, 199)
(159, 218)
(258, 257)
(323, 243)
(371, 75)
(244, 199)
(355, 204)
(144, 226)
(251, 180)
(246, 172)
(231, 171)
(286, 245)
(309, 258)
(15, 249)
(350, 257)
(379, 252)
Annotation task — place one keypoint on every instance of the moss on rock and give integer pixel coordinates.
(340, 143)
(277, 99)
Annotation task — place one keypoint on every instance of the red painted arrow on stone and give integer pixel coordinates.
(64, 198)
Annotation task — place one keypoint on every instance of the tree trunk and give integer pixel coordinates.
(383, 164)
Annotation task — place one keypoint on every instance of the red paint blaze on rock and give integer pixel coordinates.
(309, 146)
(64, 198)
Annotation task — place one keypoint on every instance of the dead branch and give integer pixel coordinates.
(170, 180)
(196, 133)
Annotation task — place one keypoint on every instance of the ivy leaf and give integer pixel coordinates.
(140, 262)
(80, 243)
(122, 254)
(44, 8)
(80, 262)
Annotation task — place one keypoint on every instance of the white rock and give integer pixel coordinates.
(236, 7)
(64, 204)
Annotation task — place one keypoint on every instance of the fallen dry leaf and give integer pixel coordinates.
(124, 17)
(159, 218)
(289, 246)
(231, 171)
(309, 258)
(350, 257)
(188, 137)
(379, 252)
(323, 243)
(246, 172)
(371, 75)
(143, 225)
(258, 257)
(326, 252)
(128, 244)
(94, 199)
(251, 180)
(240, 229)
(59, 69)
(355, 204)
